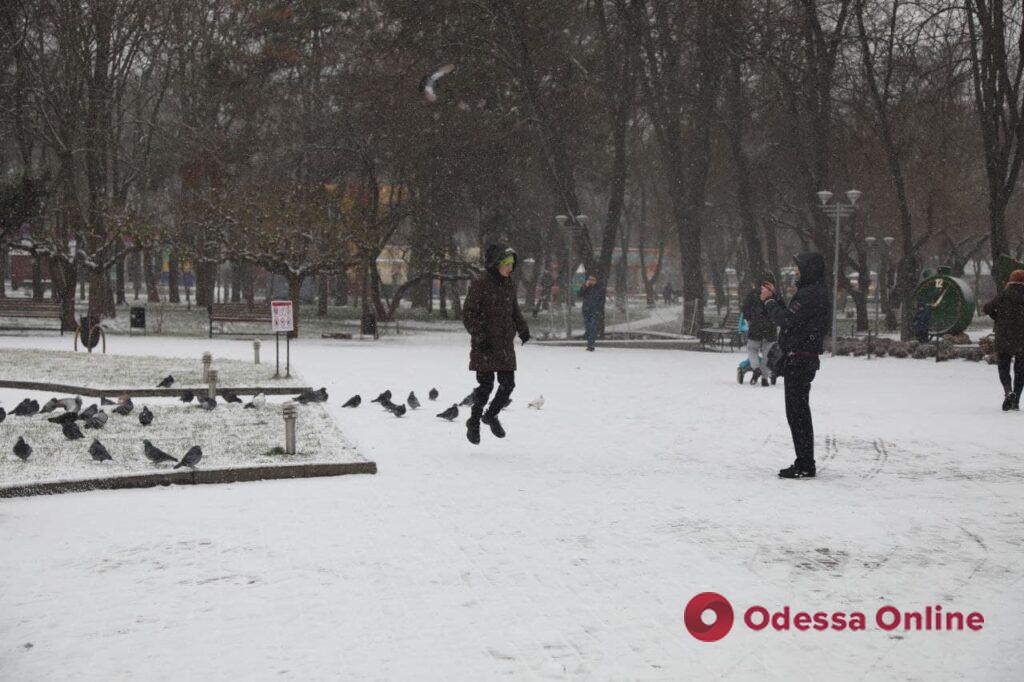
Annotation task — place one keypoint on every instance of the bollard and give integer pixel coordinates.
(290, 413)
(256, 351)
(211, 376)
(207, 361)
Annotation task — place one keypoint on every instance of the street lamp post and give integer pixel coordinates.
(838, 211)
(569, 224)
(883, 253)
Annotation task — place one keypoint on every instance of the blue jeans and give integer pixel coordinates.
(590, 333)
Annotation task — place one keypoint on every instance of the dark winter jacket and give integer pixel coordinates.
(491, 315)
(805, 322)
(759, 326)
(1007, 309)
(593, 299)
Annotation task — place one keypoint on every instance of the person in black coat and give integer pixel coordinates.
(804, 324)
(761, 331)
(592, 294)
(1007, 309)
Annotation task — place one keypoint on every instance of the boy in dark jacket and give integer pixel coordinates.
(492, 318)
(1007, 309)
(592, 294)
(804, 324)
(761, 331)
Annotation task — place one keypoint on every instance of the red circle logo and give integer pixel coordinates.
(693, 616)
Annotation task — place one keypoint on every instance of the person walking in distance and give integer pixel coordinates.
(804, 324)
(761, 331)
(491, 316)
(592, 294)
(1007, 309)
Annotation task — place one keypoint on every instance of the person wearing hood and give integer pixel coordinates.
(491, 316)
(1007, 309)
(592, 293)
(804, 324)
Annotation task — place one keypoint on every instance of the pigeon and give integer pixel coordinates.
(71, 404)
(387, 405)
(49, 406)
(66, 418)
(187, 397)
(155, 454)
(413, 401)
(468, 400)
(166, 382)
(98, 452)
(97, 421)
(125, 408)
(106, 401)
(385, 396)
(536, 403)
(319, 396)
(145, 417)
(230, 396)
(433, 394)
(26, 408)
(89, 412)
(258, 402)
(428, 82)
(451, 413)
(3, 415)
(354, 401)
(72, 432)
(22, 449)
(206, 403)
(191, 458)
(398, 410)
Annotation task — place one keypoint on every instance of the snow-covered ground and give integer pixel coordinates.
(567, 550)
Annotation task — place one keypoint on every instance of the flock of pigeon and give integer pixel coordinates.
(413, 403)
(94, 417)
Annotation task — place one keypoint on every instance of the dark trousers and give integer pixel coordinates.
(590, 329)
(799, 374)
(506, 382)
(1005, 359)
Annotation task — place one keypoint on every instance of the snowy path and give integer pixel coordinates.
(568, 550)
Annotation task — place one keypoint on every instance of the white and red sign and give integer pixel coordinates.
(281, 319)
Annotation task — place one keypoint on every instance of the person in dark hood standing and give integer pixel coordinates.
(804, 324)
(592, 294)
(761, 331)
(491, 316)
(1007, 309)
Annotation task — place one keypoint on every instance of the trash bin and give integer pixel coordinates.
(137, 318)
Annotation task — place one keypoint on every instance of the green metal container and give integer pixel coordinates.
(951, 300)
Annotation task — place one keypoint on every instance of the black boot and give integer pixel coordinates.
(473, 430)
(496, 428)
(755, 377)
(1008, 401)
(797, 472)
(740, 372)
(764, 380)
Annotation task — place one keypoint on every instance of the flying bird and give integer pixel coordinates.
(258, 402)
(354, 401)
(166, 382)
(451, 413)
(536, 403)
(22, 449)
(145, 417)
(155, 454)
(230, 396)
(433, 394)
(191, 458)
(97, 421)
(428, 82)
(383, 397)
(187, 397)
(125, 408)
(72, 432)
(413, 401)
(98, 452)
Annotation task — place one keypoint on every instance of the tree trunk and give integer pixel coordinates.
(38, 292)
(249, 282)
(173, 275)
(295, 294)
(368, 319)
(65, 280)
(152, 291)
(5, 259)
(136, 272)
(324, 282)
(119, 276)
(341, 289)
(236, 282)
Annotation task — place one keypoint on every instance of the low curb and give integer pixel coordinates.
(145, 392)
(191, 477)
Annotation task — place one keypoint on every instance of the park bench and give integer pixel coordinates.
(726, 334)
(238, 312)
(27, 308)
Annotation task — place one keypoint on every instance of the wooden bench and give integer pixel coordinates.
(27, 308)
(726, 334)
(238, 312)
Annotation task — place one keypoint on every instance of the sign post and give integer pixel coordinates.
(282, 320)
